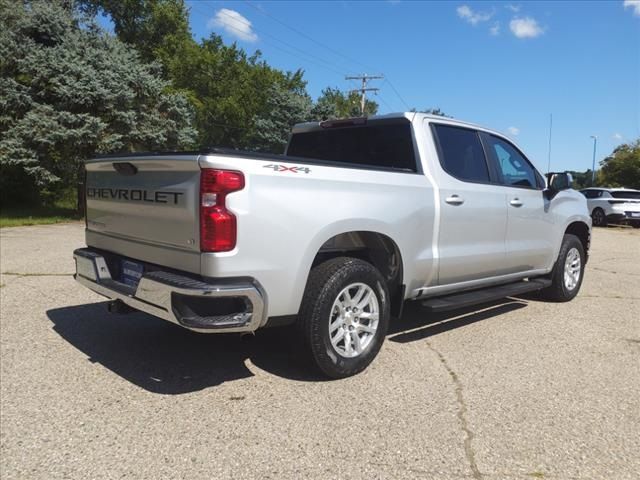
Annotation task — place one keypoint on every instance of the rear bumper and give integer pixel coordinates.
(225, 306)
(623, 217)
(626, 217)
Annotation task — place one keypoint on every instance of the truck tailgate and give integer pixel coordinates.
(145, 205)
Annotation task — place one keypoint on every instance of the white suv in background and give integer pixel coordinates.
(613, 205)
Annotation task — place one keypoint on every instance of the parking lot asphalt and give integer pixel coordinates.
(518, 389)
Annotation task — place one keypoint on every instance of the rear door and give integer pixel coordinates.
(473, 213)
(529, 243)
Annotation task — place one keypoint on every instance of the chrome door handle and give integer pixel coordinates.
(516, 202)
(454, 200)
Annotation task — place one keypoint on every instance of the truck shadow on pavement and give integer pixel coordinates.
(167, 359)
(417, 324)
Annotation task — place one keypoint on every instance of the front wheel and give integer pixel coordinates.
(344, 316)
(568, 272)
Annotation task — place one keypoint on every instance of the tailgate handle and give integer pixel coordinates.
(125, 168)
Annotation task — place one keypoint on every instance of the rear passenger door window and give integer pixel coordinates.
(461, 154)
(513, 168)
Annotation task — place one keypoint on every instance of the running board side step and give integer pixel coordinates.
(475, 297)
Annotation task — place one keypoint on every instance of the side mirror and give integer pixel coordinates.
(558, 181)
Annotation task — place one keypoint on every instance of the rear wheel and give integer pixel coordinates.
(568, 271)
(599, 218)
(344, 316)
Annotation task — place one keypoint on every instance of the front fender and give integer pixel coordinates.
(567, 207)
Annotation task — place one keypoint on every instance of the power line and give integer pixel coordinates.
(336, 52)
(398, 94)
(391, 109)
(309, 56)
(302, 34)
(323, 45)
(277, 47)
(262, 32)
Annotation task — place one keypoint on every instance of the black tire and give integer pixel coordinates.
(559, 291)
(599, 218)
(326, 282)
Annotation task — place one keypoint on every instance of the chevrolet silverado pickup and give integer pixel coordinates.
(331, 238)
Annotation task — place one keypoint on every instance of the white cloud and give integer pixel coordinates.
(635, 6)
(495, 29)
(465, 12)
(513, 131)
(513, 8)
(234, 24)
(617, 136)
(525, 27)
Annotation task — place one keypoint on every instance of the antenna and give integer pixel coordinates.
(550, 128)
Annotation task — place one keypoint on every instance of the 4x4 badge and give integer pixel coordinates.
(285, 168)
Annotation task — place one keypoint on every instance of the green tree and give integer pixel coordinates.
(158, 29)
(272, 128)
(334, 103)
(581, 179)
(229, 89)
(622, 167)
(433, 111)
(69, 90)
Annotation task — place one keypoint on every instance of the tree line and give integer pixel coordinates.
(619, 169)
(69, 90)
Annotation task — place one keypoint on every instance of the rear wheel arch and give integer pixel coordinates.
(376, 248)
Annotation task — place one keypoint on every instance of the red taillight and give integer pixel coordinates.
(217, 224)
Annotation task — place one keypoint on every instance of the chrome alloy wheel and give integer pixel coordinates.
(572, 269)
(353, 320)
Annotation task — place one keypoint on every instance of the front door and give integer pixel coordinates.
(529, 222)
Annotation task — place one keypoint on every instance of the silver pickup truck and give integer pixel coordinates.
(331, 238)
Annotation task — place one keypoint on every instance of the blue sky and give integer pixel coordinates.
(506, 65)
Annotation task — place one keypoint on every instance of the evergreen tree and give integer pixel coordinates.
(69, 90)
(284, 109)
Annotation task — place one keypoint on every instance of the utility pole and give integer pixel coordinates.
(593, 167)
(364, 78)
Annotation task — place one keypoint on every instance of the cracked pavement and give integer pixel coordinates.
(518, 389)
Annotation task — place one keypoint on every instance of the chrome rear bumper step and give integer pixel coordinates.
(226, 306)
(484, 295)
